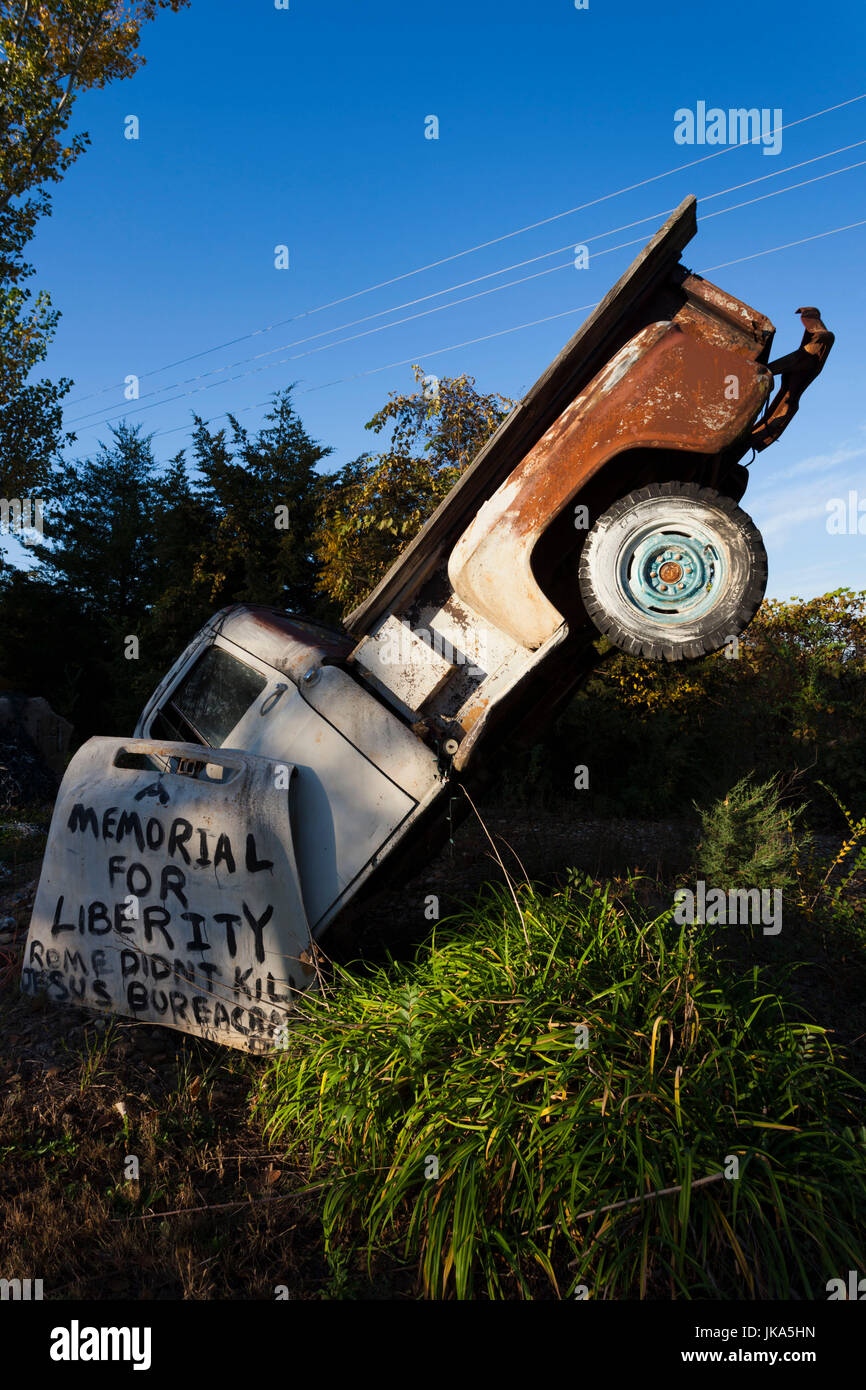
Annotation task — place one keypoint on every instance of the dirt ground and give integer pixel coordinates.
(82, 1096)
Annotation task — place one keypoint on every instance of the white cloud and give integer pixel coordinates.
(780, 508)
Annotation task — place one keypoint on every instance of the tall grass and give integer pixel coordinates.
(604, 1171)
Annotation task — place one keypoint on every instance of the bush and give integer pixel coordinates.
(748, 839)
(789, 698)
(562, 1167)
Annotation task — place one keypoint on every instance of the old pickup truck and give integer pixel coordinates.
(281, 769)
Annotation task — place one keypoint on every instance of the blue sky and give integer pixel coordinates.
(305, 127)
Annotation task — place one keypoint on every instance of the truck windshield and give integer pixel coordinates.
(210, 700)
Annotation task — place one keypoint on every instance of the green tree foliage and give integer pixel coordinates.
(31, 435)
(101, 528)
(134, 550)
(181, 601)
(261, 495)
(30, 415)
(63, 626)
(371, 508)
(789, 697)
(26, 324)
(52, 51)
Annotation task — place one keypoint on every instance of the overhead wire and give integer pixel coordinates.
(470, 250)
(224, 381)
(470, 342)
(367, 318)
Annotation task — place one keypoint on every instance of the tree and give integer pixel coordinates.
(261, 493)
(374, 505)
(101, 527)
(53, 51)
(181, 602)
(50, 52)
(26, 328)
(31, 435)
(97, 581)
(30, 415)
(132, 550)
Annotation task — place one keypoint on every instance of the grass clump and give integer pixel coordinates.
(448, 1110)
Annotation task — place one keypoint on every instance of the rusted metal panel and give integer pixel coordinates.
(796, 371)
(563, 379)
(664, 389)
(712, 313)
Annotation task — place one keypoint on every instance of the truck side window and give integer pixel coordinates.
(210, 701)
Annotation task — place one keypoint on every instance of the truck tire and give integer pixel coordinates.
(672, 571)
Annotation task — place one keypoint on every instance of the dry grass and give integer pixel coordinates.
(214, 1214)
(72, 1219)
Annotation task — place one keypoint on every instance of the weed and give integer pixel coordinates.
(833, 892)
(94, 1062)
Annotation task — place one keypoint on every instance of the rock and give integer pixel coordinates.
(24, 775)
(47, 733)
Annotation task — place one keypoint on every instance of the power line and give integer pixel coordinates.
(388, 365)
(791, 186)
(281, 362)
(802, 241)
(337, 343)
(470, 342)
(284, 361)
(424, 356)
(470, 250)
(367, 318)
